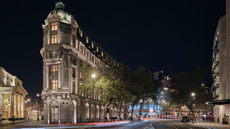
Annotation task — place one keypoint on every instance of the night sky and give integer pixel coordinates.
(168, 35)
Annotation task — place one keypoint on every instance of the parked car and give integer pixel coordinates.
(185, 119)
(113, 119)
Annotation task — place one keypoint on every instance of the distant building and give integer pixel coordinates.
(221, 67)
(65, 47)
(12, 100)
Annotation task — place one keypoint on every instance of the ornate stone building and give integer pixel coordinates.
(12, 96)
(65, 47)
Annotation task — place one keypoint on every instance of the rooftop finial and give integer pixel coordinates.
(59, 5)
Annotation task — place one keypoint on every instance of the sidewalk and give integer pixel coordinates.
(40, 124)
(211, 125)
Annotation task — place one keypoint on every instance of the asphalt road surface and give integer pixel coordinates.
(156, 124)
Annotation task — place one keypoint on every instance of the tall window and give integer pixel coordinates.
(74, 31)
(92, 58)
(73, 72)
(54, 84)
(53, 39)
(97, 62)
(81, 49)
(53, 26)
(53, 70)
(73, 87)
(87, 54)
(81, 64)
(97, 49)
(81, 33)
(73, 58)
(53, 54)
(81, 75)
(73, 43)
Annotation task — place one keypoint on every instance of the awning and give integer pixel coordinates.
(220, 102)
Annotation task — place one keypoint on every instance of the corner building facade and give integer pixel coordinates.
(221, 68)
(65, 47)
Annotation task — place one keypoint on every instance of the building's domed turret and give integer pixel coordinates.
(60, 10)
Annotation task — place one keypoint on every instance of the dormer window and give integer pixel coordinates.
(54, 12)
(92, 45)
(81, 33)
(87, 40)
(97, 49)
(102, 53)
(53, 26)
(81, 50)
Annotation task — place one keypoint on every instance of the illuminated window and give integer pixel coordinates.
(73, 58)
(74, 31)
(92, 45)
(97, 49)
(54, 12)
(73, 87)
(149, 106)
(53, 54)
(53, 26)
(87, 40)
(81, 49)
(138, 107)
(53, 70)
(81, 75)
(81, 33)
(74, 42)
(53, 39)
(97, 62)
(87, 54)
(101, 53)
(92, 58)
(54, 84)
(81, 63)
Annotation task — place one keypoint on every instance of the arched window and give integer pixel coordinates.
(145, 106)
(130, 107)
(102, 112)
(134, 107)
(86, 110)
(97, 111)
(91, 111)
(153, 105)
(149, 106)
(139, 106)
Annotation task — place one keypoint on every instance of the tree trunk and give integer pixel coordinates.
(140, 110)
(120, 111)
(132, 114)
(106, 107)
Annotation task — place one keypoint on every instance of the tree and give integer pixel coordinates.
(184, 84)
(145, 86)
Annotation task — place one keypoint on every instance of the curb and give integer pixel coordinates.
(201, 126)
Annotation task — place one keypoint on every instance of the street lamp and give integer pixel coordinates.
(193, 94)
(37, 107)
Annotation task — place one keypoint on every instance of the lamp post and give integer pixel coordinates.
(28, 108)
(193, 94)
(93, 96)
(37, 107)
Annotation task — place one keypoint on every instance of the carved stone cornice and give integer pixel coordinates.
(54, 17)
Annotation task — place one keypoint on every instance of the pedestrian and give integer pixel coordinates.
(203, 119)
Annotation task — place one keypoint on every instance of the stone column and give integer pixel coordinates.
(44, 76)
(47, 77)
(11, 105)
(59, 75)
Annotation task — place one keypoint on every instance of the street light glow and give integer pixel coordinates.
(93, 75)
(28, 100)
(193, 94)
(37, 95)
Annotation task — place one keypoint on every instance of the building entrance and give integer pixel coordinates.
(54, 112)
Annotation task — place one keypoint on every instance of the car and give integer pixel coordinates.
(113, 119)
(185, 119)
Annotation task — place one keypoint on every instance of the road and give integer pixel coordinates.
(157, 124)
